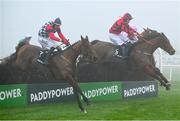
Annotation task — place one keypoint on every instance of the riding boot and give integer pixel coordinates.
(119, 50)
(124, 51)
(48, 55)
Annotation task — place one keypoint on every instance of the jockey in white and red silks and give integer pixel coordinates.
(49, 40)
(121, 34)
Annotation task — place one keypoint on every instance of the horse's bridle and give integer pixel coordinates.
(145, 53)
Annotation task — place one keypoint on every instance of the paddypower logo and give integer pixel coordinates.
(50, 94)
(101, 91)
(10, 94)
(143, 90)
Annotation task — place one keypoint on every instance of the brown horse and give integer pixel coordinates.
(141, 55)
(62, 65)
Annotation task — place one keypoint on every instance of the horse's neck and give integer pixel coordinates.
(72, 53)
(147, 47)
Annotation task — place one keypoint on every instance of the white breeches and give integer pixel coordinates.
(48, 43)
(121, 38)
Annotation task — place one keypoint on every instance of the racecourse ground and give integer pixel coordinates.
(165, 106)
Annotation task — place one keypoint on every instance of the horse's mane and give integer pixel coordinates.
(12, 57)
(94, 42)
(21, 44)
(106, 43)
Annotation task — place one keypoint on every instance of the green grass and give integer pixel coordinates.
(165, 106)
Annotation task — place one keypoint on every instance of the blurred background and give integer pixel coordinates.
(91, 17)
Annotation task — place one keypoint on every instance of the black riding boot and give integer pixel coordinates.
(124, 51)
(48, 55)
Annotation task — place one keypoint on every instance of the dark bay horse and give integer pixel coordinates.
(62, 65)
(141, 55)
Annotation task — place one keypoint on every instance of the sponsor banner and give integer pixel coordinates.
(13, 95)
(49, 93)
(102, 90)
(23, 94)
(139, 89)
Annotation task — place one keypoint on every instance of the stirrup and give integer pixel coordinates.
(41, 62)
(120, 56)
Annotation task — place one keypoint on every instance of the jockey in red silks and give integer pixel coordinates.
(122, 34)
(49, 40)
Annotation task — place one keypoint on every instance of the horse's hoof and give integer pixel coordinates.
(84, 111)
(167, 88)
(168, 85)
(161, 84)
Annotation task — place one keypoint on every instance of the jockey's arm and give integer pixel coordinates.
(51, 33)
(53, 37)
(62, 36)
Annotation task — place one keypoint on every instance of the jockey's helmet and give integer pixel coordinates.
(57, 21)
(127, 16)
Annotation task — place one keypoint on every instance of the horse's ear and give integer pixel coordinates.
(144, 29)
(162, 33)
(87, 38)
(82, 37)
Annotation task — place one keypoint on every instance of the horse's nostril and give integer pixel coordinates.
(172, 52)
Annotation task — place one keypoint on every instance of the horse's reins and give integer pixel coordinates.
(145, 53)
(148, 42)
(65, 57)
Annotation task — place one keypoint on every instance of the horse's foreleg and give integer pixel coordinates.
(82, 94)
(149, 70)
(75, 86)
(162, 76)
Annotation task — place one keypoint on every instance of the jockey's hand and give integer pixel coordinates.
(66, 42)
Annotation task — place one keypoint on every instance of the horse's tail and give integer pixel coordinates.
(18, 47)
(21, 44)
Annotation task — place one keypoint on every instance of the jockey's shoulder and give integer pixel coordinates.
(49, 27)
(120, 21)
